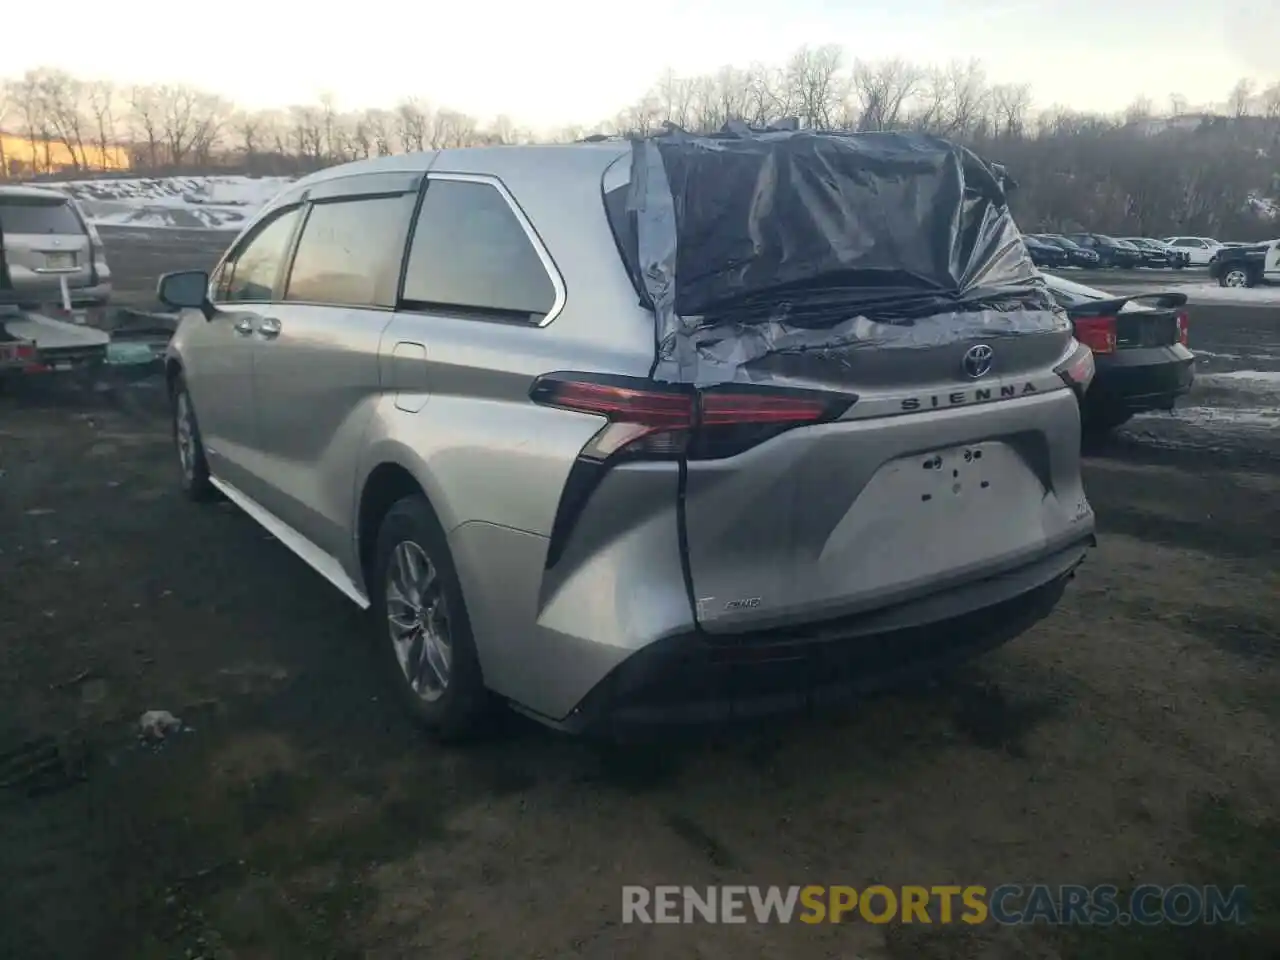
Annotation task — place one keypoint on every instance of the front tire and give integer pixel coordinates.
(190, 448)
(422, 630)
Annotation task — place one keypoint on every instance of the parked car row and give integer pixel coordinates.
(1098, 250)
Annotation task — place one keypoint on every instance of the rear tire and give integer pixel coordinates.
(1237, 277)
(190, 448)
(421, 625)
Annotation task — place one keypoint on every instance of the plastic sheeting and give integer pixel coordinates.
(751, 244)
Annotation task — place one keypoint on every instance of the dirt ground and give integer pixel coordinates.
(1130, 738)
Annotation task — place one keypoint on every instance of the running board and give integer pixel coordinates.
(319, 561)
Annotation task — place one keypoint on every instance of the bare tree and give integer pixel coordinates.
(146, 114)
(379, 125)
(1138, 111)
(210, 116)
(1271, 101)
(966, 97)
(8, 109)
(61, 97)
(100, 101)
(31, 108)
(762, 94)
(503, 130)
(411, 124)
(1010, 104)
(247, 126)
(182, 110)
(815, 86)
(329, 124)
(306, 134)
(882, 91)
(1240, 96)
(276, 132)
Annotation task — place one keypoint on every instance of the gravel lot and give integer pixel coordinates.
(1130, 738)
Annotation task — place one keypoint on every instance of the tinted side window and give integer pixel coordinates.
(1185, 243)
(470, 252)
(251, 274)
(350, 251)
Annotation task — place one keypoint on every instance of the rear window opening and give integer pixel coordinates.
(20, 215)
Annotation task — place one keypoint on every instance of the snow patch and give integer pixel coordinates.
(183, 203)
(1212, 293)
(1265, 377)
(1247, 417)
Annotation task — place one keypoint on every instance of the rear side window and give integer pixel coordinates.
(20, 215)
(250, 275)
(350, 251)
(471, 254)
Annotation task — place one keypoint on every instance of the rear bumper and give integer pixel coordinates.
(1148, 378)
(695, 678)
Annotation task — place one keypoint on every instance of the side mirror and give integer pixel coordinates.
(186, 289)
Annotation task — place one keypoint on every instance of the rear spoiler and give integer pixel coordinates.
(1107, 308)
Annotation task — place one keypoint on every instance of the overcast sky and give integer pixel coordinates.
(556, 62)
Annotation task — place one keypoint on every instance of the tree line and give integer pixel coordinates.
(1149, 170)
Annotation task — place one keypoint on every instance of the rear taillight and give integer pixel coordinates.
(1097, 333)
(652, 420)
(1078, 369)
(1184, 329)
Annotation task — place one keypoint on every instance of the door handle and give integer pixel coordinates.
(269, 328)
(244, 326)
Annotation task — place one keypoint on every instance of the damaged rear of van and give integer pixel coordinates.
(872, 403)
(668, 429)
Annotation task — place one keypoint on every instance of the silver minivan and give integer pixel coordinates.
(598, 430)
(45, 240)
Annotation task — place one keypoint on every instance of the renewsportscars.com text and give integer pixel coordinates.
(1009, 904)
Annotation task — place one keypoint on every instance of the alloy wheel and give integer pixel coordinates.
(418, 621)
(185, 434)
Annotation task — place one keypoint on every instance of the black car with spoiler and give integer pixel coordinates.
(1139, 346)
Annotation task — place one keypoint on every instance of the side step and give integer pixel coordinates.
(322, 563)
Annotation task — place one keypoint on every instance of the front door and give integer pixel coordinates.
(220, 352)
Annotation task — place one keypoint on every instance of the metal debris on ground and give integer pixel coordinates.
(156, 725)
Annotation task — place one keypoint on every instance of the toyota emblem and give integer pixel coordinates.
(978, 360)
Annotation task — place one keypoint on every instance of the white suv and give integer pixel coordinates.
(1202, 250)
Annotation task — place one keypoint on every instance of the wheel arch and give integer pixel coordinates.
(389, 481)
